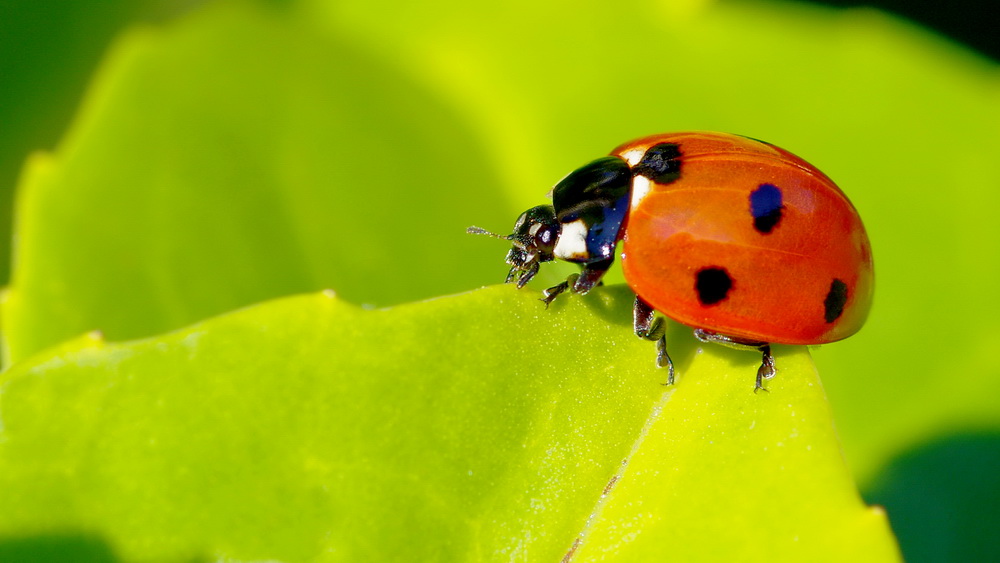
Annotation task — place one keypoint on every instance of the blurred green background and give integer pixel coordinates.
(905, 119)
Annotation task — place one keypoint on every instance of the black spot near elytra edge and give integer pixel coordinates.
(712, 284)
(766, 206)
(836, 298)
(661, 163)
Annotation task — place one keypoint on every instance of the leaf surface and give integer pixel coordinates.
(479, 427)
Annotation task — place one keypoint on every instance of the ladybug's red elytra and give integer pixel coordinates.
(743, 241)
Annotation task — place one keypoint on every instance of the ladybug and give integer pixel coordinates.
(743, 241)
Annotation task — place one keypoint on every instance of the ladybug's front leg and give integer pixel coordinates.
(650, 327)
(580, 283)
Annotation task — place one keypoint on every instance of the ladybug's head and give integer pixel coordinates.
(534, 238)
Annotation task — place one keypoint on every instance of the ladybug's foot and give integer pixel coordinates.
(662, 358)
(550, 294)
(658, 333)
(766, 369)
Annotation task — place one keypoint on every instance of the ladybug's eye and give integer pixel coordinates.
(544, 236)
(536, 228)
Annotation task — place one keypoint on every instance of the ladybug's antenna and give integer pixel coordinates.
(473, 230)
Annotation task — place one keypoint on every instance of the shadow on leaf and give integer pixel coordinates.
(78, 547)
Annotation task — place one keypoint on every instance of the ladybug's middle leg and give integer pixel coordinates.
(647, 325)
(766, 369)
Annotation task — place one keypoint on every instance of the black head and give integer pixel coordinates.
(534, 238)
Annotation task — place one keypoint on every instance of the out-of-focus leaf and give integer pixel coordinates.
(47, 52)
(234, 158)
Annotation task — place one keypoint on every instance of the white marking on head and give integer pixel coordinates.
(640, 187)
(572, 243)
(633, 156)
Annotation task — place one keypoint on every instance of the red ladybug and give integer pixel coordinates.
(741, 240)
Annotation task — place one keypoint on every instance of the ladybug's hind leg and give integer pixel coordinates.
(647, 325)
(766, 369)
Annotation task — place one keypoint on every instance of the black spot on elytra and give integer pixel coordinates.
(661, 163)
(712, 284)
(766, 206)
(836, 298)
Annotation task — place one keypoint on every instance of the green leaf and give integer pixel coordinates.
(239, 157)
(478, 427)
(47, 52)
(228, 159)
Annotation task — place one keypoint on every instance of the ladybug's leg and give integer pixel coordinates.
(580, 283)
(550, 294)
(522, 276)
(591, 276)
(766, 369)
(650, 328)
